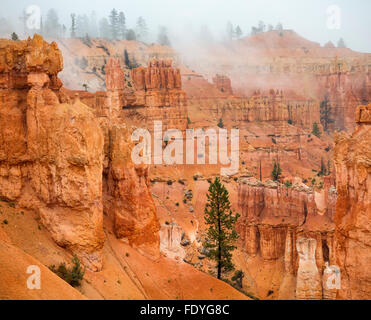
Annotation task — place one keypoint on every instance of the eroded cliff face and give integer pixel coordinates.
(68, 160)
(223, 83)
(128, 199)
(51, 152)
(353, 208)
(289, 226)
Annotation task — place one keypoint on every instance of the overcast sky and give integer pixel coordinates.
(306, 17)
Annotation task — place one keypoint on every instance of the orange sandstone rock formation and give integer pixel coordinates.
(353, 208)
(51, 152)
(308, 286)
(223, 83)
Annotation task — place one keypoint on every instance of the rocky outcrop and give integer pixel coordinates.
(51, 152)
(172, 237)
(128, 199)
(353, 208)
(308, 285)
(67, 154)
(274, 106)
(275, 220)
(223, 83)
(158, 85)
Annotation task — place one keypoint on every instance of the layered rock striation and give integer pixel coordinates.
(353, 207)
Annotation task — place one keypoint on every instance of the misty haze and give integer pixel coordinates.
(185, 150)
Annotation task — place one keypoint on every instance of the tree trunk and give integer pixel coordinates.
(219, 250)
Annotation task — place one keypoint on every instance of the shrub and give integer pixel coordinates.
(72, 276)
(316, 131)
(169, 182)
(5, 221)
(220, 123)
(287, 184)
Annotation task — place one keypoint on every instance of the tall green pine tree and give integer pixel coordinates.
(277, 171)
(221, 234)
(325, 111)
(315, 130)
(114, 24)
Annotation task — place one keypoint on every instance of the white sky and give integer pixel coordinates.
(306, 17)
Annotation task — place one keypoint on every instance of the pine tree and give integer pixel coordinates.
(163, 38)
(221, 234)
(131, 35)
(238, 32)
(220, 123)
(325, 111)
(277, 171)
(230, 31)
(126, 58)
(341, 43)
(114, 24)
(237, 278)
(141, 29)
(261, 26)
(15, 37)
(104, 28)
(279, 26)
(52, 26)
(316, 131)
(122, 25)
(323, 171)
(73, 25)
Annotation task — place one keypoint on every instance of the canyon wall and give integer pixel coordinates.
(353, 208)
(51, 151)
(67, 154)
(287, 224)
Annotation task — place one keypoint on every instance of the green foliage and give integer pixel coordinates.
(114, 24)
(220, 123)
(323, 171)
(341, 43)
(325, 111)
(73, 25)
(131, 35)
(316, 131)
(131, 64)
(14, 37)
(277, 171)
(289, 121)
(163, 38)
(5, 221)
(287, 184)
(72, 276)
(237, 278)
(122, 25)
(188, 120)
(221, 234)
